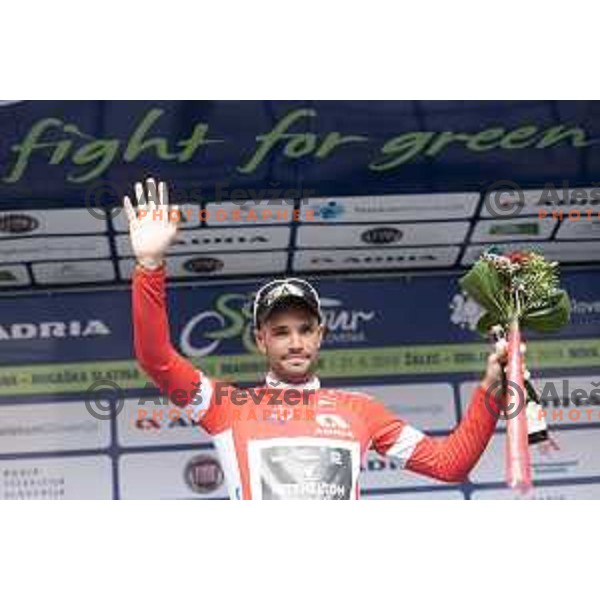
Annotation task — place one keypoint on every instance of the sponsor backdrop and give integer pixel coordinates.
(406, 340)
(399, 192)
(305, 187)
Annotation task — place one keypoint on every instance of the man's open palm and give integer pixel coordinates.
(150, 229)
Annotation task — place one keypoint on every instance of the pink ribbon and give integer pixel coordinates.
(518, 459)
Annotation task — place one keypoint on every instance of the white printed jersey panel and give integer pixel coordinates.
(302, 468)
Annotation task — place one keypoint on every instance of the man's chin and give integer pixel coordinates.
(296, 372)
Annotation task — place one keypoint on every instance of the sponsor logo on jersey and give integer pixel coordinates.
(324, 402)
(332, 425)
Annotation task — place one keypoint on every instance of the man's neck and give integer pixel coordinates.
(311, 383)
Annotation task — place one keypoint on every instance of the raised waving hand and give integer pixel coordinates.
(152, 223)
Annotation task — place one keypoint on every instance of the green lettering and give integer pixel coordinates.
(101, 151)
(195, 141)
(335, 139)
(25, 149)
(137, 144)
(557, 134)
(485, 140)
(300, 145)
(402, 148)
(277, 134)
(444, 139)
(519, 138)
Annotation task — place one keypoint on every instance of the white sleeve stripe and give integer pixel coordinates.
(201, 401)
(405, 445)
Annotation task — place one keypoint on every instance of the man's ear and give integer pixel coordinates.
(259, 336)
(324, 331)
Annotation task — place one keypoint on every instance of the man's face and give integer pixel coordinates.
(290, 339)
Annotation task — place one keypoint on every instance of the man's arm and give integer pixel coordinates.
(151, 233)
(175, 376)
(453, 457)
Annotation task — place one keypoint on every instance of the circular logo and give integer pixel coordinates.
(100, 397)
(515, 400)
(102, 201)
(382, 235)
(203, 474)
(203, 264)
(18, 223)
(504, 199)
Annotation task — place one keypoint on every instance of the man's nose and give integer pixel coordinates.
(295, 341)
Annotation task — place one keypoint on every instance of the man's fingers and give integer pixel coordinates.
(152, 193)
(501, 347)
(153, 198)
(139, 194)
(163, 194)
(129, 211)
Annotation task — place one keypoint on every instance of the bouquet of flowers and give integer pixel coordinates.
(517, 290)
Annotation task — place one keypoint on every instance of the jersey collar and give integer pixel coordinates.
(312, 384)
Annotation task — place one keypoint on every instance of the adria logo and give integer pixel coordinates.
(53, 329)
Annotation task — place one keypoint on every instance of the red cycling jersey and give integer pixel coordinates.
(278, 441)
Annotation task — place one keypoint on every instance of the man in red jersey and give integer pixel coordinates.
(289, 438)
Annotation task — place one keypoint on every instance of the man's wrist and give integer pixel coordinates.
(487, 383)
(150, 264)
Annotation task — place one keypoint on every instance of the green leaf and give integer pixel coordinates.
(554, 315)
(486, 322)
(483, 284)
